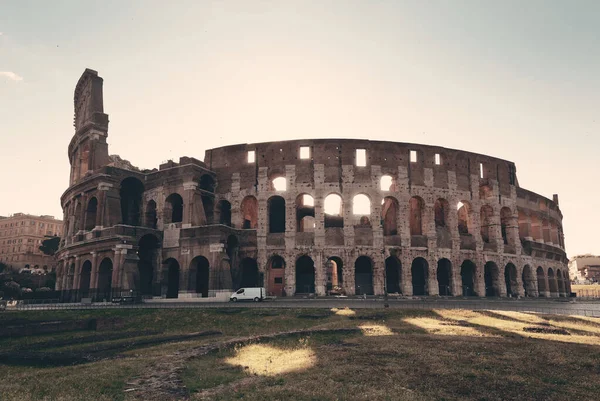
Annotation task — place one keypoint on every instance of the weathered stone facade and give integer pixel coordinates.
(437, 220)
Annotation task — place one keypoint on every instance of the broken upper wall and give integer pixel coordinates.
(394, 158)
(88, 149)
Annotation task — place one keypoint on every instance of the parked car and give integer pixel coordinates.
(249, 294)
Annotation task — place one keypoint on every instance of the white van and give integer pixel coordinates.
(253, 294)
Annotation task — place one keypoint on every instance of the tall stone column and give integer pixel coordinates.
(432, 283)
(75, 292)
(94, 275)
(320, 274)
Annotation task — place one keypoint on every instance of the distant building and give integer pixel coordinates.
(20, 238)
(585, 268)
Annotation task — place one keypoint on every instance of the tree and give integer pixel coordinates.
(50, 246)
(11, 289)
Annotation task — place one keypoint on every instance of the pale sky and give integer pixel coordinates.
(519, 80)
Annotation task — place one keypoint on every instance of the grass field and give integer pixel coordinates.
(296, 354)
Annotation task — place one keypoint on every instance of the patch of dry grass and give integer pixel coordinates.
(267, 360)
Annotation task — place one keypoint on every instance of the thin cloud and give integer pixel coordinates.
(11, 75)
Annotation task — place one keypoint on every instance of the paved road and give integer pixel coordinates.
(558, 306)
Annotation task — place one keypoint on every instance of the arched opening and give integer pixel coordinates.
(363, 276)
(199, 276)
(393, 275)
(420, 275)
(492, 280)
(249, 209)
(444, 277)
(467, 274)
(305, 275)
(84, 279)
(151, 215)
(441, 210)
(207, 185)
(276, 274)
(528, 281)
(464, 220)
(105, 279)
(487, 215)
(225, 213)
(131, 201)
(173, 209)
(148, 259)
(279, 184)
(552, 282)
(524, 231)
(171, 278)
(361, 206)
(505, 219)
(90, 214)
(249, 269)
(332, 206)
(335, 276)
(541, 280)
(510, 279)
(389, 215)
(386, 183)
(561, 283)
(305, 213)
(416, 215)
(276, 212)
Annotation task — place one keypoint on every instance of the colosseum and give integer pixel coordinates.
(322, 216)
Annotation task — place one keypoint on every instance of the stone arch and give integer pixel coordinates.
(505, 224)
(552, 283)
(105, 272)
(249, 209)
(173, 208)
(85, 279)
(148, 252)
(541, 280)
(170, 278)
(90, 214)
(389, 215)
(199, 278)
(487, 217)
(224, 212)
(561, 283)
(416, 215)
(528, 281)
(492, 279)
(363, 276)
(276, 214)
(305, 275)
(151, 215)
(444, 276)
(387, 183)
(468, 274)
(249, 269)
(305, 213)
(361, 206)
(510, 280)
(393, 275)
(131, 200)
(335, 273)
(420, 276)
(279, 184)
(333, 211)
(441, 212)
(276, 276)
(523, 225)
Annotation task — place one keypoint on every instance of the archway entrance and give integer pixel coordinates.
(510, 279)
(249, 269)
(363, 276)
(492, 278)
(467, 274)
(420, 275)
(276, 276)
(541, 279)
(84, 280)
(305, 275)
(528, 281)
(199, 276)
(148, 254)
(171, 274)
(105, 279)
(335, 277)
(444, 277)
(393, 275)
